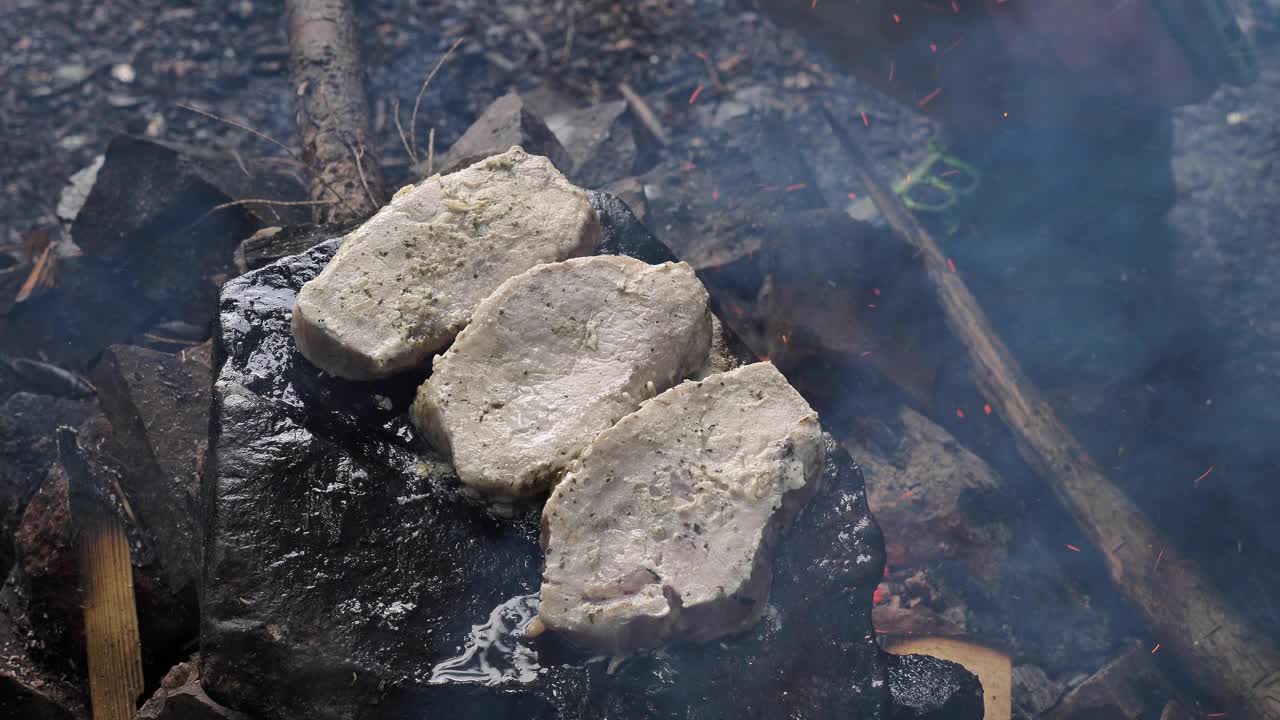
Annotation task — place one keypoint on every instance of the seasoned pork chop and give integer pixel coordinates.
(554, 356)
(404, 283)
(664, 528)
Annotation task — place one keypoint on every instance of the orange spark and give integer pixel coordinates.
(715, 194)
(929, 98)
(986, 409)
(865, 122)
(897, 18)
(696, 92)
(876, 291)
(960, 413)
(796, 186)
(1072, 548)
(1155, 649)
(878, 596)
(951, 264)
(908, 494)
(853, 196)
(1204, 475)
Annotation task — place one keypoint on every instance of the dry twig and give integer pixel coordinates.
(417, 102)
(645, 112)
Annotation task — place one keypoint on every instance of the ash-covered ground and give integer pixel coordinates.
(75, 73)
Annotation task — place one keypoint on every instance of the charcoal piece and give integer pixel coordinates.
(31, 687)
(600, 140)
(507, 121)
(153, 250)
(926, 688)
(158, 406)
(1033, 692)
(27, 422)
(46, 555)
(180, 697)
(272, 243)
(347, 577)
(42, 378)
(1131, 685)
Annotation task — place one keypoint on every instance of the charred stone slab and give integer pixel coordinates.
(158, 406)
(507, 121)
(347, 576)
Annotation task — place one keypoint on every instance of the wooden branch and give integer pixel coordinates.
(332, 110)
(110, 615)
(1217, 648)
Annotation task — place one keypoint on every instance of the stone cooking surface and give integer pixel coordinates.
(553, 357)
(346, 578)
(665, 528)
(404, 283)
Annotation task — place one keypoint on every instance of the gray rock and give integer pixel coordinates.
(153, 248)
(600, 141)
(406, 282)
(665, 529)
(158, 406)
(506, 122)
(553, 357)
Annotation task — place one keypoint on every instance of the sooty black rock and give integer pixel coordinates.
(347, 576)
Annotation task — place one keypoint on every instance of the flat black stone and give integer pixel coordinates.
(347, 576)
